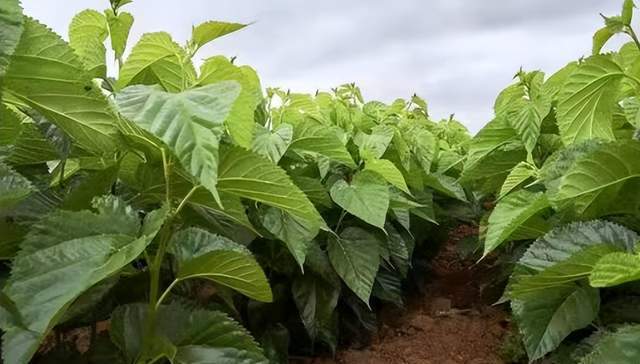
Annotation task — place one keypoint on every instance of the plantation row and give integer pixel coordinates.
(208, 222)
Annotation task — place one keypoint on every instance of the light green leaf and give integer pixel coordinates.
(587, 100)
(272, 144)
(366, 197)
(206, 32)
(240, 121)
(10, 30)
(627, 12)
(600, 38)
(229, 268)
(315, 138)
(596, 178)
(510, 213)
(190, 123)
(518, 175)
(631, 106)
(387, 170)
(548, 316)
(526, 116)
(119, 28)
(373, 146)
(87, 32)
(316, 301)
(46, 75)
(355, 257)
(248, 175)
(565, 241)
(615, 269)
(157, 59)
(64, 255)
(13, 187)
(619, 347)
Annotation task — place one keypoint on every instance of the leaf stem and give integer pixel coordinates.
(166, 166)
(165, 293)
(633, 36)
(186, 199)
(339, 224)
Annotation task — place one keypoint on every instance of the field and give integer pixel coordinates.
(181, 215)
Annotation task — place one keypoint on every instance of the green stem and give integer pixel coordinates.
(186, 199)
(165, 293)
(166, 166)
(633, 36)
(342, 215)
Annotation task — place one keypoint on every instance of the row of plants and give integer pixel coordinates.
(204, 220)
(562, 157)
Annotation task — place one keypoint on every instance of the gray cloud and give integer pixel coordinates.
(458, 54)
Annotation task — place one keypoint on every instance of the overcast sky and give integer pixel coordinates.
(458, 54)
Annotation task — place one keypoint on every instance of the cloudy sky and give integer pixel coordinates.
(458, 54)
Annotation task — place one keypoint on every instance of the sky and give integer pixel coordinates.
(457, 54)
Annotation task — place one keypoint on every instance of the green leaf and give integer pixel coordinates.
(272, 144)
(355, 257)
(64, 255)
(548, 316)
(248, 175)
(206, 32)
(157, 59)
(315, 138)
(596, 178)
(518, 175)
(565, 241)
(87, 32)
(240, 121)
(229, 268)
(627, 12)
(510, 213)
(314, 189)
(46, 75)
(446, 185)
(587, 100)
(10, 30)
(373, 146)
(13, 187)
(526, 116)
(600, 38)
(387, 170)
(190, 123)
(615, 269)
(119, 28)
(366, 197)
(197, 354)
(619, 347)
(294, 231)
(193, 242)
(316, 301)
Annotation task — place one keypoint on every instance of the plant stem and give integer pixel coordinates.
(166, 166)
(342, 215)
(186, 199)
(165, 293)
(633, 36)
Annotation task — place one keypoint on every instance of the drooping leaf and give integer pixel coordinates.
(595, 179)
(190, 123)
(294, 231)
(446, 185)
(272, 144)
(355, 257)
(587, 99)
(600, 38)
(46, 75)
(206, 32)
(548, 316)
(193, 242)
(157, 59)
(316, 301)
(511, 212)
(119, 28)
(615, 269)
(240, 121)
(87, 32)
(619, 347)
(367, 197)
(238, 271)
(64, 255)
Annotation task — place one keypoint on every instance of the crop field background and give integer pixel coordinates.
(160, 204)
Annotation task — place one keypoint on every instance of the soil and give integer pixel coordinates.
(451, 322)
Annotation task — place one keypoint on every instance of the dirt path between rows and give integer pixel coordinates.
(452, 322)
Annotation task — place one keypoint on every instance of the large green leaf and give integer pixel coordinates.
(189, 122)
(233, 269)
(367, 197)
(315, 138)
(526, 116)
(119, 27)
(13, 187)
(615, 269)
(510, 213)
(548, 316)
(157, 59)
(46, 75)
(10, 30)
(240, 121)
(316, 301)
(619, 347)
(596, 178)
(248, 175)
(518, 175)
(565, 241)
(388, 171)
(355, 257)
(193, 242)
(87, 32)
(373, 146)
(206, 32)
(294, 231)
(64, 255)
(272, 143)
(587, 100)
